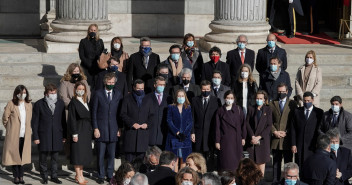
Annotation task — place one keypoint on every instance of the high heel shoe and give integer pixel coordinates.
(82, 183)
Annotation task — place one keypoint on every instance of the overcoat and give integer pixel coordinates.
(209, 67)
(233, 59)
(314, 84)
(263, 58)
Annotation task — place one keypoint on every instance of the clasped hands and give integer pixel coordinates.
(279, 134)
(256, 140)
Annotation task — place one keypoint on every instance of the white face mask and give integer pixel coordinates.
(52, 96)
(127, 181)
(80, 92)
(244, 74)
(229, 102)
(187, 183)
(309, 61)
(21, 96)
(117, 46)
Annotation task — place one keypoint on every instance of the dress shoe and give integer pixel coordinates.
(56, 180)
(21, 180)
(45, 181)
(108, 179)
(100, 181)
(16, 180)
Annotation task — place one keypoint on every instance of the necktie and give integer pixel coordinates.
(109, 96)
(242, 57)
(205, 103)
(271, 51)
(282, 105)
(216, 90)
(307, 114)
(334, 121)
(159, 99)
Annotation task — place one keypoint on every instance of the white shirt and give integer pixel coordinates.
(244, 52)
(22, 109)
(107, 93)
(283, 100)
(310, 110)
(244, 95)
(157, 94)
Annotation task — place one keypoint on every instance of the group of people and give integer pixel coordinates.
(193, 110)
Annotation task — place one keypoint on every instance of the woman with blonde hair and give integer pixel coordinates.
(187, 176)
(309, 78)
(197, 162)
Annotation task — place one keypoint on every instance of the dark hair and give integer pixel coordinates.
(143, 39)
(266, 102)
(248, 172)
(137, 163)
(228, 93)
(336, 98)
(323, 142)
(49, 87)
(204, 83)
(109, 76)
(112, 43)
(227, 177)
(162, 66)
(188, 35)
(211, 178)
(138, 81)
(307, 94)
(159, 78)
(276, 58)
(167, 157)
(217, 72)
(122, 171)
(282, 84)
(175, 46)
(18, 90)
(113, 58)
(84, 97)
(214, 49)
(333, 133)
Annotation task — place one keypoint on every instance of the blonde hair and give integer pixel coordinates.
(199, 161)
(266, 102)
(84, 97)
(314, 57)
(67, 76)
(250, 76)
(97, 33)
(179, 175)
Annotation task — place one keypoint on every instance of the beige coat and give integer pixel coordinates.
(11, 120)
(314, 84)
(66, 91)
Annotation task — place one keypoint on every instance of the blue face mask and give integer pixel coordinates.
(160, 89)
(181, 100)
(175, 57)
(241, 45)
(307, 105)
(335, 108)
(139, 92)
(146, 50)
(216, 81)
(273, 68)
(271, 44)
(334, 147)
(190, 43)
(233, 183)
(114, 68)
(259, 102)
(290, 181)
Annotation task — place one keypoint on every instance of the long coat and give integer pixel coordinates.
(137, 70)
(344, 164)
(120, 85)
(66, 91)
(262, 127)
(209, 67)
(268, 83)
(314, 84)
(204, 122)
(263, 58)
(281, 122)
(105, 114)
(252, 93)
(304, 133)
(344, 125)
(233, 59)
(221, 92)
(230, 129)
(136, 140)
(11, 120)
(196, 64)
(182, 123)
(48, 128)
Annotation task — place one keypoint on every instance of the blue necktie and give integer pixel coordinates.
(282, 105)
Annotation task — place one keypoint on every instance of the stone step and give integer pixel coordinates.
(38, 58)
(28, 81)
(33, 69)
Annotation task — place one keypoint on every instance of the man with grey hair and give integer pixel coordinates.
(142, 65)
(237, 57)
(151, 159)
(342, 157)
(192, 90)
(139, 179)
(291, 170)
(211, 178)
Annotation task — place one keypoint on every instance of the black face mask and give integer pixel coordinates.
(92, 35)
(166, 76)
(185, 82)
(75, 76)
(205, 93)
(282, 95)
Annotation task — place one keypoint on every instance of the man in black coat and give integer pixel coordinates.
(241, 55)
(305, 129)
(159, 101)
(271, 50)
(342, 157)
(137, 114)
(204, 108)
(142, 65)
(192, 90)
(216, 64)
(104, 108)
(49, 131)
(319, 169)
(291, 175)
(165, 172)
(217, 89)
(163, 71)
(271, 78)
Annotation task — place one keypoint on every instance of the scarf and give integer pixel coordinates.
(51, 104)
(145, 57)
(176, 67)
(116, 53)
(276, 74)
(138, 99)
(192, 54)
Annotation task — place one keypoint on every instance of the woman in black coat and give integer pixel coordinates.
(259, 122)
(90, 49)
(79, 121)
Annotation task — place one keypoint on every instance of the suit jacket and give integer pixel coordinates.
(344, 125)
(252, 93)
(281, 122)
(233, 59)
(49, 128)
(314, 84)
(261, 127)
(120, 85)
(343, 163)
(220, 94)
(161, 176)
(282, 182)
(269, 84)
(264, 55)
(204, 122)
(105, 114)
(304, 133)
(137, 70)
(209, 67)
(136, 140)
(193, 91)
(319, 169)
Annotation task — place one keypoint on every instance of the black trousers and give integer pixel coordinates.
(277, 159)
(282, 11)
(310, 9)
(17, 170)
(44, 165)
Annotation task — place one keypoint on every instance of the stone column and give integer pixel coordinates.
(236, 17)
(71, 24)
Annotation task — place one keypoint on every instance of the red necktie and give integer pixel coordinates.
(242, 57)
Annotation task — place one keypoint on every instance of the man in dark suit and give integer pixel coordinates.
(142, 65)
(217, 89)
(165, 172)
(241, 55)
(105, 104)
(271, 78)
(204, 108)
(163, 71)
(342, 157)
(319, 169)
(192, 90)
(283, 109)
(338, 117)
(271, 50)
(216, 64)
(159, 100)
(137, 114)
(305, 129)
(291, 175)
(49, 131)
